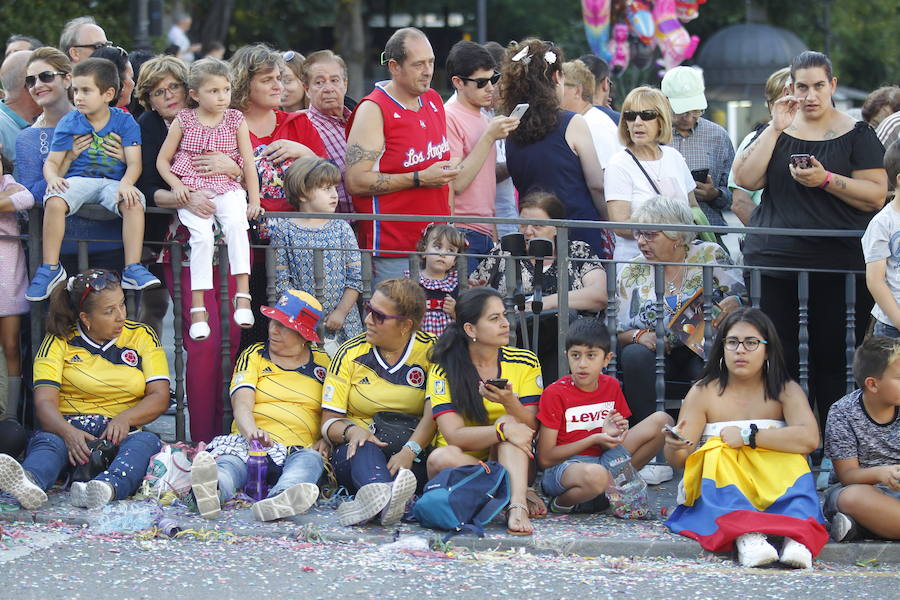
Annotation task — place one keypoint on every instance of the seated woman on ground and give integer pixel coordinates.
(484, 395)
(748, 427)
(96, 376)
(276, 395)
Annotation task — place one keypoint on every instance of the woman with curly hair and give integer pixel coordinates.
(552, 149)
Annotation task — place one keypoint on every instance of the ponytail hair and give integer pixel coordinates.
(451, 353)
(63, 313)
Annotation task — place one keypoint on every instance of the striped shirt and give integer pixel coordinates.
(709, 147)
(334, 135)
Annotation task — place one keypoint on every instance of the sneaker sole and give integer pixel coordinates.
(54, 283)
(370, 500)
(97, 494)
(401, 491)
(131, 284)
(14, 481)
(840, 527)
(292, 501)
(205, 485)
(77, 496)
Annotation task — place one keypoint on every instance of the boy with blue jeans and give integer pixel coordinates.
(582, 416)
(862, 438)
(882, 253)
(92, 176)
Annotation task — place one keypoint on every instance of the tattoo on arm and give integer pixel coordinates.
(382, 183)
(746, 152)
(840, 182)
(357, 154)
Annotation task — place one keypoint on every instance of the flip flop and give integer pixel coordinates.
(511, 506)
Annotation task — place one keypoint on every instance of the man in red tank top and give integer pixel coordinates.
(398, 156)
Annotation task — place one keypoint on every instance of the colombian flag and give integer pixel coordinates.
(730, 492)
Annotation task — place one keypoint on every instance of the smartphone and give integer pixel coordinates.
(801, 161)
(700, 175)
(676, 434)
(500, 384)
(519, 110)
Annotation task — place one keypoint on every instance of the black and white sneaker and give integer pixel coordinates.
(843, 528)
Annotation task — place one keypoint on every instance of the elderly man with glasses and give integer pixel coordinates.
(704, 144)
(80, 37)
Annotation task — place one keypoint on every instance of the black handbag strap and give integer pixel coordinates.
(644, 171)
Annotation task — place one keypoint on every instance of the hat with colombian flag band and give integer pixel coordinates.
(296, 310)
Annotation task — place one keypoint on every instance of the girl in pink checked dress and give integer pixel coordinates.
(212, 126)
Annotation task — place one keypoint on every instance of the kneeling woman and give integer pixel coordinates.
(96, 376)
(276, 394)
(479, 417)
(749, 477)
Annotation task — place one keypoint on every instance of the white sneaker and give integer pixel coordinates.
(14, 481)
(656, 474)
(369, 501)
(402, 490)
(91, 494)
(292, 501)
(843, 528)
(205, 485)
(794, 554)
(755, 551)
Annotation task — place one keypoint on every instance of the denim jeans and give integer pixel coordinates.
(47, 456)
(479, 243)
(302, 466)
(368, 465)
(885, 330)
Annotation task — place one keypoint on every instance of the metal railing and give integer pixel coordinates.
(752, 276)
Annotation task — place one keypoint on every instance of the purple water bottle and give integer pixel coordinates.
(257, 468)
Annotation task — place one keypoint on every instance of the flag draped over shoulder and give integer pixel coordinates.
(730, 492)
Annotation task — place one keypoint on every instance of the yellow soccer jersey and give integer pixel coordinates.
(360, 383)
(288, 402)
(100, 380)
(520, 367)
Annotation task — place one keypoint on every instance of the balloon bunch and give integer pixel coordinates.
(640, 27)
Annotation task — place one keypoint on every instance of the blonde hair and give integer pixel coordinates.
(664, 210)
(154, 71)
(577, 73)
(647, 98)
(306, 175)
(775, 85)
(52, 57)
(407, 295)
(246, 63)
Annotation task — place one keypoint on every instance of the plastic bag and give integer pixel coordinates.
(170, 470)
(127, 516)
(627, 492)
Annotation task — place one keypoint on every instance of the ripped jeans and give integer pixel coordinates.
(47, 456)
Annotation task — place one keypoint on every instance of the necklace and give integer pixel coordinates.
(674, 291)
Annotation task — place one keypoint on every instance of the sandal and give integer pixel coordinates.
(199, 330)
(535, 503)
(511, 531)
(243, 316)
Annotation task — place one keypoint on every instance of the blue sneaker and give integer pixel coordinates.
(136, 277)
(44, 282)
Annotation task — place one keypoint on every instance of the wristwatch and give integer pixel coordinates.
(415, 447)
(745, 435)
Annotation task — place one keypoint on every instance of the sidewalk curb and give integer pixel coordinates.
(846, 553)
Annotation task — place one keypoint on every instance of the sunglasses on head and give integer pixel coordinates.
(289, 56)
(480, 82)
(95, 281)
(378, 316)
(95, 45)
(44, 76)
(645, 115)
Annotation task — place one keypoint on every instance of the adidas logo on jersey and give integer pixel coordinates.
(76, 359)
(267, 370)
(364, 381)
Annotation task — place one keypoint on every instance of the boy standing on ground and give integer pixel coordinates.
(93, 177)
(882, 254)
(862, 439)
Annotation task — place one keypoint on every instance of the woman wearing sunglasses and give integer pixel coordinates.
(637, 313)
(380, 371)
(96, 376)
(647, 167)
(745, 429)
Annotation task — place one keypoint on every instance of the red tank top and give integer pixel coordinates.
(413, 140)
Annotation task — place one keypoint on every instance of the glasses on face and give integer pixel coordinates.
(95, 45)
(173, 88)
(378, 316)
(645, 115)
(480, 82)
(44, 76)
(647, 235)
(95, 281)
(750, 344)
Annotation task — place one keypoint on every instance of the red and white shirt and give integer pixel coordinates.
(413, 141)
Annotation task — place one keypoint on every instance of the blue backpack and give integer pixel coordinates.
(464, 499)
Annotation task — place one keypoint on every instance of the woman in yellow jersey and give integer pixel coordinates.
(478, 416)
(276, 394)
(96, 376)
(381, 370)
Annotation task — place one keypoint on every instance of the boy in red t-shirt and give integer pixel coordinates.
(584, 414)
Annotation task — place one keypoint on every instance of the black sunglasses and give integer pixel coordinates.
(645, 115)
(95, 281)
(483, 81)
(44, 76)
(378, 316)
(95, 45)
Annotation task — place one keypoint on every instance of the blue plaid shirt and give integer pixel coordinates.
(709, 147)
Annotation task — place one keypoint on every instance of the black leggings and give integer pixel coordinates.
(827, 330)
(638, 366)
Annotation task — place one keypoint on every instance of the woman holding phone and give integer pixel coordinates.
(819, 169)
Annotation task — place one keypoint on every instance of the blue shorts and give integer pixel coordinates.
(551, 482)
(830, 498)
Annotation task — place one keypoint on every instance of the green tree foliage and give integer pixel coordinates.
(44, 19)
